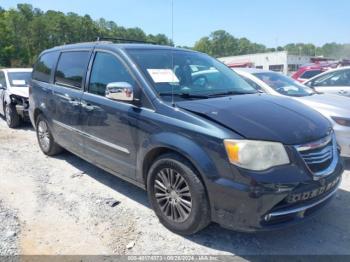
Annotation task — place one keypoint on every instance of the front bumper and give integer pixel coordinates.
(264, 206)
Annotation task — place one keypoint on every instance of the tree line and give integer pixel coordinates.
(26, 31)
(220, 43)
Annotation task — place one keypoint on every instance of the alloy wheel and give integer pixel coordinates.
(43, 135)
(173, 195)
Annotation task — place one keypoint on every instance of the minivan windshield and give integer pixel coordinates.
(284, 85)
(188, 75)
(19, 79)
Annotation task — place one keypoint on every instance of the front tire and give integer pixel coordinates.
(45, 139)
(177, 195)
(13, 120)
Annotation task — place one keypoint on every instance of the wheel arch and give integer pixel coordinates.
(161, 144)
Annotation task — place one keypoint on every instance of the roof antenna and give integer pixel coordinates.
(172, 53)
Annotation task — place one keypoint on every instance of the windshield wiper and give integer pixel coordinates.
(184, 95)
(229, 93)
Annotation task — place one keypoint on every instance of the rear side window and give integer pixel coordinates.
(44, 66)
(71, 69)
(310, 74)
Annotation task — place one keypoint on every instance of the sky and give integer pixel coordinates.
(269, 22)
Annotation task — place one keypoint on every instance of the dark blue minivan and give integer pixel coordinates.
(180, 124)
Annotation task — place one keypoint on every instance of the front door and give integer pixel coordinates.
(337, 82)
(110, 126)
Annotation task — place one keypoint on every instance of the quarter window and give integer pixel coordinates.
(71, 69)
(107, 69)
(44, 65)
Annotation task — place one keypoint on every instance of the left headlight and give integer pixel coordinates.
(256, 155)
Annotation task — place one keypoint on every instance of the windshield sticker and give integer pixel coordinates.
(163, 76)
(18, 82)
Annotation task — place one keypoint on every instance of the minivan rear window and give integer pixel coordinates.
(71, 68)
(44, 66)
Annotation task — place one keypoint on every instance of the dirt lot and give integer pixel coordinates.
(64, 205)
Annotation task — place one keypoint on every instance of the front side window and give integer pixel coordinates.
(107, 69)
(71, 69)
(337, 78)
(44, 66)
(187, 75)
(284, 85)
(19, 79)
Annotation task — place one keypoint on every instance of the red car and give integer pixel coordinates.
(306, 72)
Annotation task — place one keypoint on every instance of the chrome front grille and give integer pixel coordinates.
(320, 156)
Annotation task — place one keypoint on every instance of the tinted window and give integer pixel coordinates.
(2, 79)
(107, 69)
(71, 69)
(44, 66)
(19, 79)
(309, 74)
(337, 78)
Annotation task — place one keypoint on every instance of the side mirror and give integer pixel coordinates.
(1, 87)
(121, 91)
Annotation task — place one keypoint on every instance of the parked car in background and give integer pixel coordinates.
(336, 81)
(335, 108)
(14, 93)
(308, 71)
(204, 144)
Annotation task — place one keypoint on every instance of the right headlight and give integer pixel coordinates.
(256, 155)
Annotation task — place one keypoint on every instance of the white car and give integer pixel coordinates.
(14, 94)
(334, 107)
(335, 81)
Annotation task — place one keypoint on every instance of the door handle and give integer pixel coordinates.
(74, 102)
(87, 106)
(342, 92)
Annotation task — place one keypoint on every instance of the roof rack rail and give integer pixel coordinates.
(123, 40)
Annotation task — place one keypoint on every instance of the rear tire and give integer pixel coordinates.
(13, 120)
(177, 195)
(45, 139)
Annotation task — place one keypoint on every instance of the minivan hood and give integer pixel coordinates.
(19, 91)
(263, 117)
(327, 104)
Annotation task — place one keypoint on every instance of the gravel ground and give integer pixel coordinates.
(64, 205)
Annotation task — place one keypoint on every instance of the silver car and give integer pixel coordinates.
(334, 107)
(14, 93)
(335, 81)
